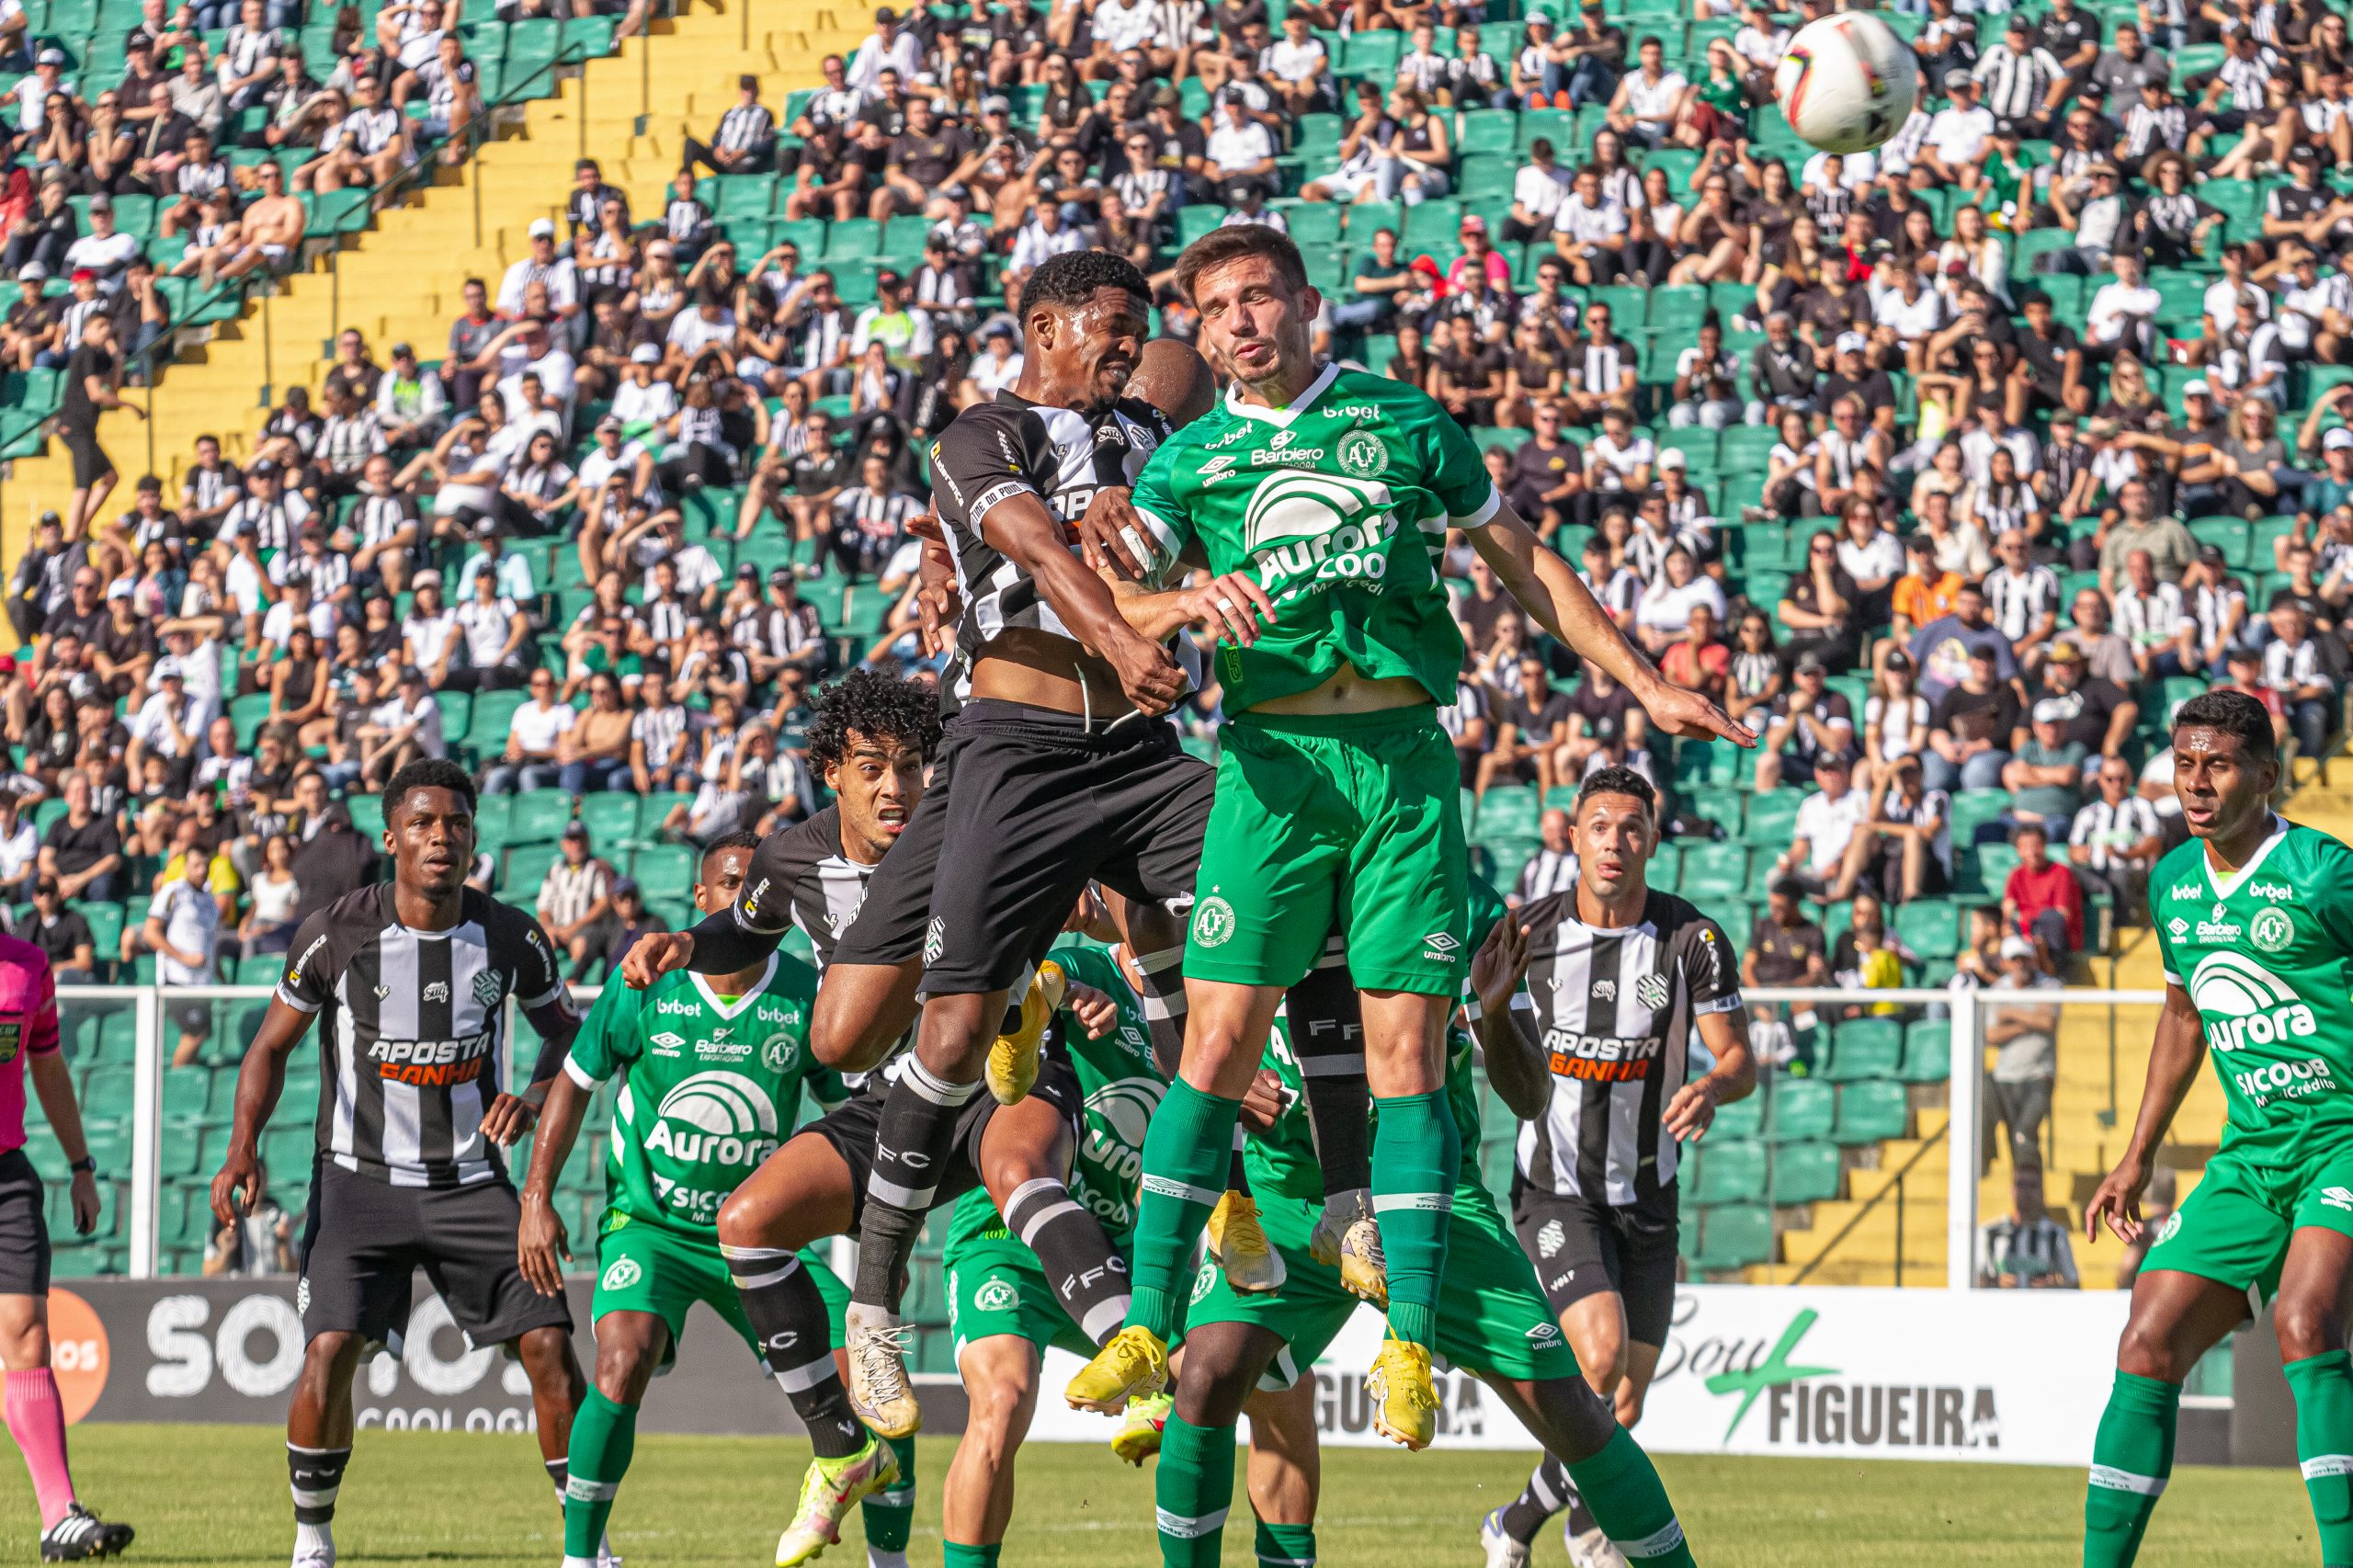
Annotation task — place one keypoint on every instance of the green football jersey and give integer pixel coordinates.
(2266, 957)
(711, 1087)
(1339, 505)
(1121, 1089)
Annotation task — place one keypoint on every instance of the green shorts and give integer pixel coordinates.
(1347, 818)
(2234, 1226)
(1491, 1316)
(998, 1286)
(643, 1268)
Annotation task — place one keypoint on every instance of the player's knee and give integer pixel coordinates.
(329, 1356)
(546, 1354)
(1628, 1398)
(2307, 1326)
(2147, 1351)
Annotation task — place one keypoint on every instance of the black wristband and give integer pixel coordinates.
(85, 1163)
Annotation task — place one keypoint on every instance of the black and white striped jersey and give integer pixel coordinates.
(801, 878)
(1615, 1010)
(1012, 447)
(412, 1025)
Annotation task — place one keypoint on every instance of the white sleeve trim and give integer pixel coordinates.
(527, 1002)
(1486, 511)
(577, 1074)
(2172, 979)
(282, 994)
(1730, 1004)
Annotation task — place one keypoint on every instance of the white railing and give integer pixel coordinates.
(1965, 1006)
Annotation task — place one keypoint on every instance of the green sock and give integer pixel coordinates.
(1286, 1545)
(2131, 1457)
(2323, 1389)
(956, 1555)
(1185, 1150)
(1629, 1502)
(1416, 1151)
(1194, 1485)
(890, 1516)
(603, 1435)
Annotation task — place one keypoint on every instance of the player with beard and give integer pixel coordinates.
(1060, 772)
(409, 980)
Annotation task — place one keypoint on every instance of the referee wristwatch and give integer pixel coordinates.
(85, 1165)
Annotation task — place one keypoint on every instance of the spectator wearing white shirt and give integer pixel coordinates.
(543, 265)
(169, 724)
(1241, 153)
(1643, 107)
(182, 926)
(2120, 313)
(887, 47)
(1827, 854)
(2116, 839)
(530, 761)
(1537, 192)
(1960, 136)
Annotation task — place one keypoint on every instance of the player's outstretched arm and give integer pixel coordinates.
(542, 1246)
(1560, 603)
(2174, 1056)
(1733, 1077)
(1516, 1069)
(260, 1081)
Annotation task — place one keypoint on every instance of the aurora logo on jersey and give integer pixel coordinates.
(2244, 1004)
(714, 1119)
(1303, 530)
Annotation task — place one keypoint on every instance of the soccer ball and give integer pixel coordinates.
(1848, 82)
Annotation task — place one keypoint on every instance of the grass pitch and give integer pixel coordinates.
(217, 1496)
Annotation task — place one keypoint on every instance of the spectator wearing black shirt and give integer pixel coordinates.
(1532, 728)
(61, 933)
(1970, 728)
(2101, 714)
(91, 377)
(1786, 948)
(1810, 723)
(82, 852)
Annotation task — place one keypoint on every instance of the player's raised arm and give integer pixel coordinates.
(2175, 1052)
(1558, 600)
(1506, 1021)
(1019, 526)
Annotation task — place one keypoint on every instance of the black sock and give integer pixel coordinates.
(1163, 1004)
(314, 1475)
(559, 1472)
(1237, 1177)
(1549, 1490)
(1089, 1278)
(1327, 1036)
(911, 1148)
(785, 1310)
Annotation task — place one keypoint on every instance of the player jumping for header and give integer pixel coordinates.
(1329, 494)
(2254, 918)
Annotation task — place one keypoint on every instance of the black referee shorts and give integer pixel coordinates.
(24, 1228)
(366, 1239)
(1044, 802)
(1583, 1248)
(851, 1125)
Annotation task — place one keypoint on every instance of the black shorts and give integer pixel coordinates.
(1042, 804)
(366, 1239)
(1582, 1248)
(889, 926)
(90, 460)
(850, 1128)
(24, 1228)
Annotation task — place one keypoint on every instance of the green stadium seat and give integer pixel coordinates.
(1742, 1120)
(1864, 1048)
(1488, 130)
(1734, 1237)
(1772, 819)
(1714, 871)
(366, 813)
(539, 816)
(1930, 927)
(493, 814)
(1198, 219)
(1731, 1173)
(1805, 1173)
(663, 870)
(610, 818)
(1433, 227)
(1927, 1051)
(1871, 1112)
(1972, 809)
(1796, 1109)
(527, 866)
(249, 712)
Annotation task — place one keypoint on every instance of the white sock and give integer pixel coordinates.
(876, 1559)
(859, 1314)
(572, 1562)
(314, 1537)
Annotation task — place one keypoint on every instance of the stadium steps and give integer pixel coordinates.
(400, 280)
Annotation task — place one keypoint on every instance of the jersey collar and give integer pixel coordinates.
(2225, 886)
(1281, 417)
(702, 984)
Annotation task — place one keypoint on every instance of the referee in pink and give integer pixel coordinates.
(70, 1532)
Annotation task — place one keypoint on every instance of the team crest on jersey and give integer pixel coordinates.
(933, 938)
(436, 990)
(997, 1296)
(1204, 1282)
(1650, 991)
(623, 1273)
(1551, 1239)
(1363, 454)
(776, 1053)
(2272, 930)
(2172, 1226)
(487, 990)
(1213, 921)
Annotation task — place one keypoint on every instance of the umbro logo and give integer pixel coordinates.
(1442, 941)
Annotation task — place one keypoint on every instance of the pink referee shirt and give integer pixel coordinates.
(28, 1027)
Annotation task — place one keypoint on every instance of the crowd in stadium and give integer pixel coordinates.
(1951, 466)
